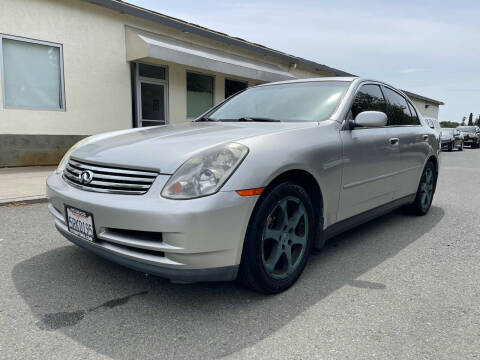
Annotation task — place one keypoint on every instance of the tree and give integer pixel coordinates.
(448, 124)
(463, 120)
(470, 120)
(477, 122)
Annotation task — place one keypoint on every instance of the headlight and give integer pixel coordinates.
(63, 163)
(205, 173)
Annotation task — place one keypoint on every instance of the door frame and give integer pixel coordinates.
(138, 86)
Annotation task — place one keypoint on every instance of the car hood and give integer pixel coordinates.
(447, 137)
(165, 148)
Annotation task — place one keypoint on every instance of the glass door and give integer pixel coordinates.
(152, 90)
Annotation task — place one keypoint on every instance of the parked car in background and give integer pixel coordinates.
(471, 135)
(249, 188)
(451, 139)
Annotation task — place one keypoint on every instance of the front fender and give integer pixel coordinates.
(316, 150)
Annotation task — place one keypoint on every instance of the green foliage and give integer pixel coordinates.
(470, 119)
(448, 124)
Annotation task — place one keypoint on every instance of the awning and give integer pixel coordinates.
(143, 45)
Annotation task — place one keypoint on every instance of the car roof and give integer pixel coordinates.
(327, 78)
(331, 78)
(336, 78)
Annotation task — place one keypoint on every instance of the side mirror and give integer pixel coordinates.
(371, 119)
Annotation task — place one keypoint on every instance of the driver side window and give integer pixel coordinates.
(368, 98)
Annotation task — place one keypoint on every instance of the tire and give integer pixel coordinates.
(272, 239)
(425, 191)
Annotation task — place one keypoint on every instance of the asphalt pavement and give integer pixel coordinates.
(399, 287)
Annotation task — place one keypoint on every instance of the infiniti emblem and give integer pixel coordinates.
(86, 177)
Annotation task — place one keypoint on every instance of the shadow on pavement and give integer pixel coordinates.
(124, 314)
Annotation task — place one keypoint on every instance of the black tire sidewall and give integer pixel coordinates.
(252, 253)
(417, 206)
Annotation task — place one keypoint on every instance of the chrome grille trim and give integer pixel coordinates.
(108, 179)
(109, 169)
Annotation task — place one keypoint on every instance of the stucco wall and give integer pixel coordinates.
(97, 75)
(431, 111)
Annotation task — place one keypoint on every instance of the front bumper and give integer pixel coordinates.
(447, 143)
(192, 240)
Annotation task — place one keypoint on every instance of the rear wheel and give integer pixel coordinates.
(425, 192)
(279, 239)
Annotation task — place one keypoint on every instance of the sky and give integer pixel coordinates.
(429, 47)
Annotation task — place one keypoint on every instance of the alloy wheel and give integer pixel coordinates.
(284, 237)
(426, 188)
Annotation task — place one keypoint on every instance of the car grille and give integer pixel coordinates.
(105, 179)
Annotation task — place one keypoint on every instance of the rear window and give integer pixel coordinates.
(415, 118)
(469, 129)
(398, 111)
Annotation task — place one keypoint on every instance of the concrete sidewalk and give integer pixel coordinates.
(23, 184)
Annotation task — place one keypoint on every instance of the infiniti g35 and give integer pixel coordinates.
(252, 186)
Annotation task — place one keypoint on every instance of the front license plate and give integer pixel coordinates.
(80, 223)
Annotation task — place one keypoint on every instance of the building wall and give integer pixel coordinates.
(430, 111)
(97, 75)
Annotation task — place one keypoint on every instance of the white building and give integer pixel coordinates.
(427, 107)
(72, 68)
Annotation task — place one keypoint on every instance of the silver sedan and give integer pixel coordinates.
(252, 186)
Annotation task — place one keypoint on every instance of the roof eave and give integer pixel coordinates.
(423, 98)
(129, 9)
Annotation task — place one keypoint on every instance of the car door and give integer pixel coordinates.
(413, 138)
(370, 156)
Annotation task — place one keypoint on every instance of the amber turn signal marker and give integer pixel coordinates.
(250, 192)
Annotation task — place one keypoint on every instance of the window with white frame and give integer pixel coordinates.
(199, 93)
(32, 74)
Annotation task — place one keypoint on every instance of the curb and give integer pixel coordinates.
(20, 202)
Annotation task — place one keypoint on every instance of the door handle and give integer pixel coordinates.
(425, 137)
(393, 141)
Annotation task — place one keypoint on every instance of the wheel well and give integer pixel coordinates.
(308, 182)
(434, 160)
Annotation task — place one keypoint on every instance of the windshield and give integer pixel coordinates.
(447, 131)
(304, 101)
(469, 129)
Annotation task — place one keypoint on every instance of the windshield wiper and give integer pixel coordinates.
(205, 118)
(257, 119)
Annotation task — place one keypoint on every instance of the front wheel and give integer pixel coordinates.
(279, 239)
(425, 192)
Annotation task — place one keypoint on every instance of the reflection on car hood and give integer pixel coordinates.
(165, 148)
